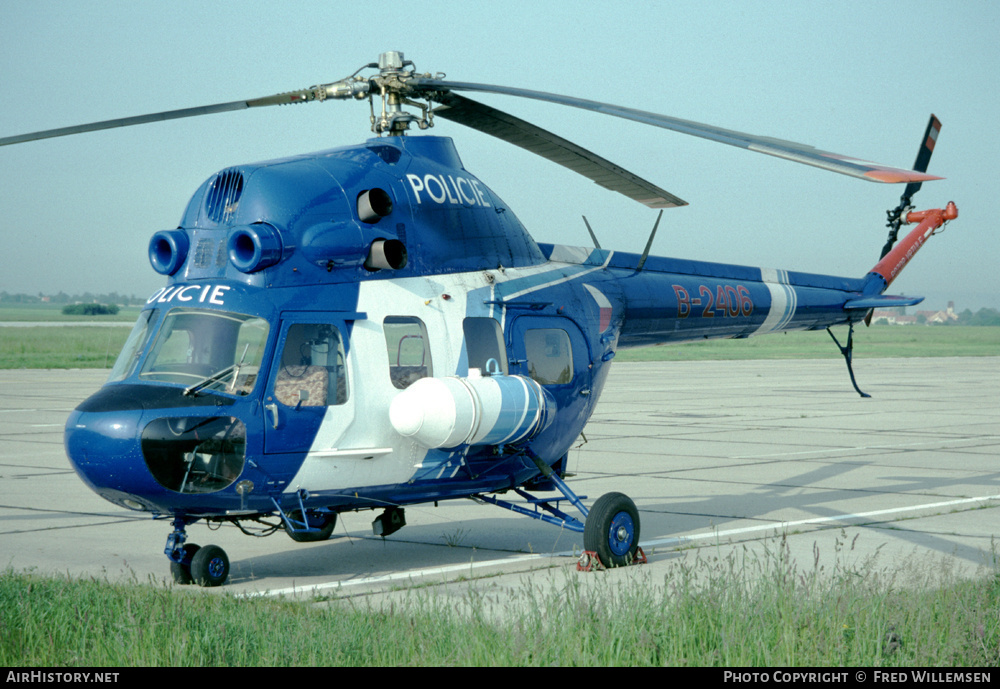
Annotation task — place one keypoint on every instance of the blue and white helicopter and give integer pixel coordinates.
(371, 327)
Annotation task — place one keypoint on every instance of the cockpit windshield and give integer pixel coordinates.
(206, 349)
(129, 356)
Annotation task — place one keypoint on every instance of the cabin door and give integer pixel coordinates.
(308, 385)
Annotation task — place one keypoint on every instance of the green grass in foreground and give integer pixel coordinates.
(741, 610)
(97, 347)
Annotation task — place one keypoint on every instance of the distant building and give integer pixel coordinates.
(935, 317)
(894, 317)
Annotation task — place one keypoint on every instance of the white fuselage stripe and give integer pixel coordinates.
(561, 280)
(784, 301)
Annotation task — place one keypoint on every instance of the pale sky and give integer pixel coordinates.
(857, 78)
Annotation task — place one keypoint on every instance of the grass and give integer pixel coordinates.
(876, 342)
(53, 313)
(61, 347)
(97, 347)
(744, 609)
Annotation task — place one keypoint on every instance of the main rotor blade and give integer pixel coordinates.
(300, 96)
(548, 145)
(788, 150)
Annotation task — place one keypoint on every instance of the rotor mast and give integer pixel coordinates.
(390, 84)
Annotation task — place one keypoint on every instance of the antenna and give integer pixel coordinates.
(649, 243)
(592, 235)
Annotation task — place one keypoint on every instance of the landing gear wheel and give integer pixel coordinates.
(210, 566)
(612, 530)
(325, 522)
(181, 571)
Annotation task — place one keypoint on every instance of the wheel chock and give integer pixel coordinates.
(590, 562)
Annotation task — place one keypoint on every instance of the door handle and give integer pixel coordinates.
(273, 408)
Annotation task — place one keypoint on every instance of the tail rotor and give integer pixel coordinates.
(896, 216)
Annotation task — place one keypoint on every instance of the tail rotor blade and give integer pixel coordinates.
(895, 216)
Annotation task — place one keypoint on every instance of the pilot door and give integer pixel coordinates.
(308, 390)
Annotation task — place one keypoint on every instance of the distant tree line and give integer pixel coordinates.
(63, 298)
(980, 317)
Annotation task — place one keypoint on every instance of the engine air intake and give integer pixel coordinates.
(254, 247)
(167, 251)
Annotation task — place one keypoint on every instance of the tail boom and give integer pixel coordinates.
(885, 271)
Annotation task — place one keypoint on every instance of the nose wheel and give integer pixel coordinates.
(193, 564)
(208, 566)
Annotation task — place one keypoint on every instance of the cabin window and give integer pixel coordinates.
(549, 355)
(212, 349)
(408, 350)
(311, 369)
(484, 342)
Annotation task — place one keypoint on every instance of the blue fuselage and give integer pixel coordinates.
(300, 303)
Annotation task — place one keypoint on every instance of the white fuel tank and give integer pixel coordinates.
(489, 409)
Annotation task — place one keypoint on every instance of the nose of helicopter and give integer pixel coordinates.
(105, 450)
(145, 452)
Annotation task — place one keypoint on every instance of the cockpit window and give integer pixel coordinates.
(129, 356)
(191, 454)
(311, 369)
(208, 350)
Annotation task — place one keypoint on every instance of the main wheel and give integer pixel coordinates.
(181, 571)
(612, 530)
(323, 521)
(210, 566)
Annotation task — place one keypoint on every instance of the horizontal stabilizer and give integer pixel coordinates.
(881, 301)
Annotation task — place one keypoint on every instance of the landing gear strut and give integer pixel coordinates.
(847, 351)
(611, 527)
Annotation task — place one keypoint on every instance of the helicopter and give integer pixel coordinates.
(371, 327)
